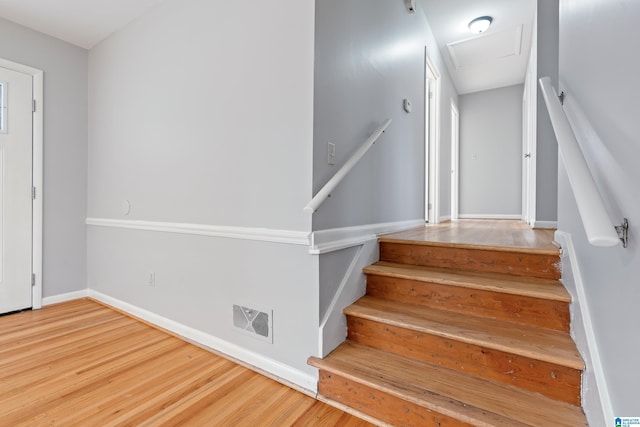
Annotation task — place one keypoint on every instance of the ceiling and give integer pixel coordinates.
(490, 60)
(493, 59)
(83, 23)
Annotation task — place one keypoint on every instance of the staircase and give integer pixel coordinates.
(458, 335)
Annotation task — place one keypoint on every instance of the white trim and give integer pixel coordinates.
(70, 296)
(489, 216)
(333, 325)
(243, 233)
(455, 161)
(266, 366)
(37, 174)
(545, 224)
(334, 239)
(432, 141)
(566, 242)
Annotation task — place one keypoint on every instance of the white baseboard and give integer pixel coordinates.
(545, 224)
(335, 239)
(70, 296)
(489, 216)
(593, 355)
(271, 368)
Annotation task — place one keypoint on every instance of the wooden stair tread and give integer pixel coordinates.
(468, 398)
(516, 285)
(537, 251)
(524, 340)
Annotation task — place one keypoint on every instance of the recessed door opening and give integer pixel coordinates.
(432, 144)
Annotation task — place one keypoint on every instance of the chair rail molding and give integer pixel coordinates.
(289, 237)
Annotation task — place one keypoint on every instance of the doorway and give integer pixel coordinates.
(20, 187)
(455, 160)
(529, 105)
(432, 141)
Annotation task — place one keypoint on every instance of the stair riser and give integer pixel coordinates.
(515, 308)
(380, 405)
(514, 263)
(549, 379)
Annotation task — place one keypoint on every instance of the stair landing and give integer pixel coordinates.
(472, 233)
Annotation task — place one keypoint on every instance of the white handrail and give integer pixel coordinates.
(595, 219)
(328, 188)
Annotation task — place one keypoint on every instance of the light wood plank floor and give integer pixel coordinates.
(487, 233)
(83, 364)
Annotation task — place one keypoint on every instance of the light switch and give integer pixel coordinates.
(331, 153)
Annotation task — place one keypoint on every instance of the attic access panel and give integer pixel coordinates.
(487, 47)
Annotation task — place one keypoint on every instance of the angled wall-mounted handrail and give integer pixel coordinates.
(328, 188)
(595, 219)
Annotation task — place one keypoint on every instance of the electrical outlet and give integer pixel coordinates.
(151, 279)
(331, 153)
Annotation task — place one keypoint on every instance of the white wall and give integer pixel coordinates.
(65, 151)
(598, 71)
(490, 153)
(369, 56)
(201, 113)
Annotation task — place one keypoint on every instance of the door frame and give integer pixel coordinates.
(529, 150)
(432, 140)
(455, 161)
(37, 177)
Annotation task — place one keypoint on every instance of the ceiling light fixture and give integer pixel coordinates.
(480, 24)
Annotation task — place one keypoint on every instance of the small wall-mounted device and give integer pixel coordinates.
(406, 104)
(411, 5)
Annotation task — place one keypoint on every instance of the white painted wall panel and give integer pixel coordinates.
(199, 278)
(491, 153)
(201, 112)
(598, 71)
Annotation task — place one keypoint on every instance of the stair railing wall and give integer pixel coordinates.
(599, 228)
(328, 188)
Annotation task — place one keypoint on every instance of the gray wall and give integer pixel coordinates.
(201, 113)
(598, 71)
(65, 151)
(547, 147)
(369, 56)
(491, 152)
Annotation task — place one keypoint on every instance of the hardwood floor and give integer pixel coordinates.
(83, 364)
(481, 232)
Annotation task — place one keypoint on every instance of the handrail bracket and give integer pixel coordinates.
(623, 232)
(561, 97)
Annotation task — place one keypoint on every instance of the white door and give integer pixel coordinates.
(16, 151)
(528, 160)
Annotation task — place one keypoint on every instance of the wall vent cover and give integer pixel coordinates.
(255, 322)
